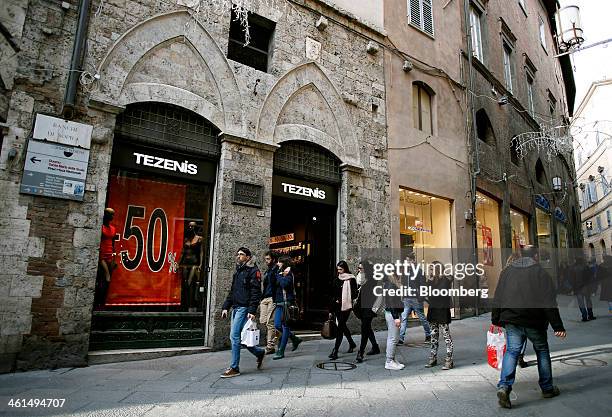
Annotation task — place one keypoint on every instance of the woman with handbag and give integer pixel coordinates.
(284, 298)
(344, 292)
(365, 309)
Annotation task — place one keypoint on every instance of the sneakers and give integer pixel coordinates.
(552, 393)
(230, 373)
(394, 365)
(503, 397)
(260, 359)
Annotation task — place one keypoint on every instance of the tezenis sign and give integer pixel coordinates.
(168, 164)
(304, 190)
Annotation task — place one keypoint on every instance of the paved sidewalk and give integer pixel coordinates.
(190, 385)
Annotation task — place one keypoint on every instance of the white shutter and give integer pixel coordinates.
(415, 12)
(428, 17)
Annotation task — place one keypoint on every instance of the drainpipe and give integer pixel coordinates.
(76, 61)
(472, 136)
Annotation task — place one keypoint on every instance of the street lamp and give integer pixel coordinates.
(557, 184)
(569, 28)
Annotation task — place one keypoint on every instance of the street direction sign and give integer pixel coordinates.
(55, 170)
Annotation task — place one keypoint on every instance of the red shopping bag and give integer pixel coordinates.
(496, 347)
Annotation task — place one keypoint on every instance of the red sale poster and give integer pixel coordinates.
(487, 245)
(149, 217)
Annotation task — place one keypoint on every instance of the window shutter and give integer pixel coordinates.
(428, 17)
(426, 112)
(415, 106)
(415, 12)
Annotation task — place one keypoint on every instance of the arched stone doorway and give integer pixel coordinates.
(161, 184)
(305, 188)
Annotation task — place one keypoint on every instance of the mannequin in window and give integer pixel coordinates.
(106, 262)
(191, 266)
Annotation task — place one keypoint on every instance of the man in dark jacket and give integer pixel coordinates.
(243, 298)
(525, 304)
(582, 285)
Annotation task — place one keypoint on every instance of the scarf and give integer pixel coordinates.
(347, 300)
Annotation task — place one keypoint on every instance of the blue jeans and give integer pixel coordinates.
(239, 319)
(410, 305)
(516, 337)
(281, 326)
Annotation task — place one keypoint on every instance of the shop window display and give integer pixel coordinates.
(520, 230)
(488, 239)
(425, 225)
(161, 227)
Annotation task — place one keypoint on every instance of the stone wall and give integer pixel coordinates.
(138, 48)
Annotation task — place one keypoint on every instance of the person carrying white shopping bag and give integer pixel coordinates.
(243, 299)
(250, 334)
(525, 305)
(496, 347)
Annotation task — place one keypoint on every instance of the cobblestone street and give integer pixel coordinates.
(190, 385)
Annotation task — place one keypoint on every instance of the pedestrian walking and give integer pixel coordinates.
(521, 359)
(438, 315)
(521, 287)
(243, 298)
(605, 279)
(582, 284)
(266, 307)
(284, 295)
(365, 309)
(393, 314)
(344, 291)
(413, 303)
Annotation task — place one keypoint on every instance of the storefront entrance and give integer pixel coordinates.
(303, 226)
(163, 169)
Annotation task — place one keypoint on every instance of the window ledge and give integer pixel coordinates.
(421, 30)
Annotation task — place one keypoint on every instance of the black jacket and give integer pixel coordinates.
(366, 300)
(439, 306)
(581, 277)
(336, 299)
(246, 288)
(268, 277)
(283, 289)
(525, 297)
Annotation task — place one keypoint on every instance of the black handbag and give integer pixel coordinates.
(330, 329)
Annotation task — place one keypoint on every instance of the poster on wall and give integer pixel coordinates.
(149, 217)
(487, 246)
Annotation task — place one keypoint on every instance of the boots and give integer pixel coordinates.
(359, 358)
(448, 364)
(334, 354)
(295, 342)
(280, 354)
(351, 348)
(374, 351)
(433, 361)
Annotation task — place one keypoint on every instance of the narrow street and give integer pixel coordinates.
(190, 385)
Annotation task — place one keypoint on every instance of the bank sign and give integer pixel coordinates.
(304, 190)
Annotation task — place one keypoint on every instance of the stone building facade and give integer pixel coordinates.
(322, 89)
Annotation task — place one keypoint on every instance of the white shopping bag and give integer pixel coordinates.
(496, 347)
(250, 334)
